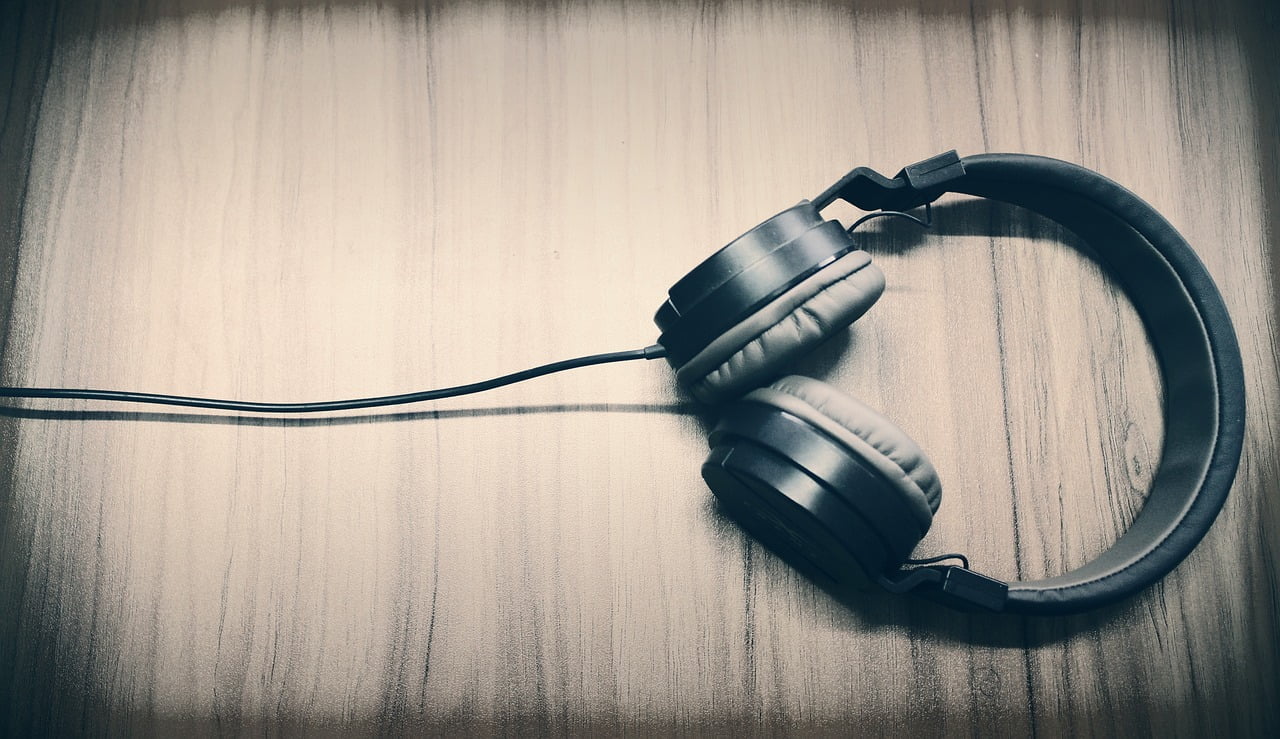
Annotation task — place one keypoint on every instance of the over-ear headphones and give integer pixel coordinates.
(835, 487)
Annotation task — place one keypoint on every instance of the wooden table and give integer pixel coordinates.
(294, 200)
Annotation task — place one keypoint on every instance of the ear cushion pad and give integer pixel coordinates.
(865, 433)
(752, 352)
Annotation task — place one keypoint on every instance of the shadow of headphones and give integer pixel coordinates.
(836, 488)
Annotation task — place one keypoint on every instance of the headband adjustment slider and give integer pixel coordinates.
(932, 175)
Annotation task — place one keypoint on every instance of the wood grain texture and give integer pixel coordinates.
(294, 200)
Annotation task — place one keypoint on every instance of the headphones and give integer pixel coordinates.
(834, 487)
(837, 489)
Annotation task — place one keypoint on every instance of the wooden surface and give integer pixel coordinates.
(301, 201)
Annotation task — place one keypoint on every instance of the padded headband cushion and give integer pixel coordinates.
(1196, 349)
(864, 433)
(755, 350)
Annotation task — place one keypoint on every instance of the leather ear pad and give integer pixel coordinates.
(866, 434)
(754, 351)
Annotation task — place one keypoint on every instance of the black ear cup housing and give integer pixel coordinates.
(766, 298)
(822, 480)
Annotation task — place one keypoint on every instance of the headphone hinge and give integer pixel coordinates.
(963, 587)
(915, 185)
(950, 585)
(928, 179)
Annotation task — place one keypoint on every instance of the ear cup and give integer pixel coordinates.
(767, 297)
(757, 348)
(865, 433)
(821, 479)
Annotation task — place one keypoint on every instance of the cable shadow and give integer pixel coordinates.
(348, 420)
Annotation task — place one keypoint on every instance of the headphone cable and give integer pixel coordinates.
(655, 351)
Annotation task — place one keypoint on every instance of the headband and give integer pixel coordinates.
(1190, 333)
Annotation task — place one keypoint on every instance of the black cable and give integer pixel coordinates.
(650, 352)
(925, 222)
(964, 561)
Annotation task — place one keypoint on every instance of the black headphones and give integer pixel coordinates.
(836, 488)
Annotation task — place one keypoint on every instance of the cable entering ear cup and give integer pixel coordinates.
(863, 432)
(727, 290)
(757, 348)
(744, 296)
